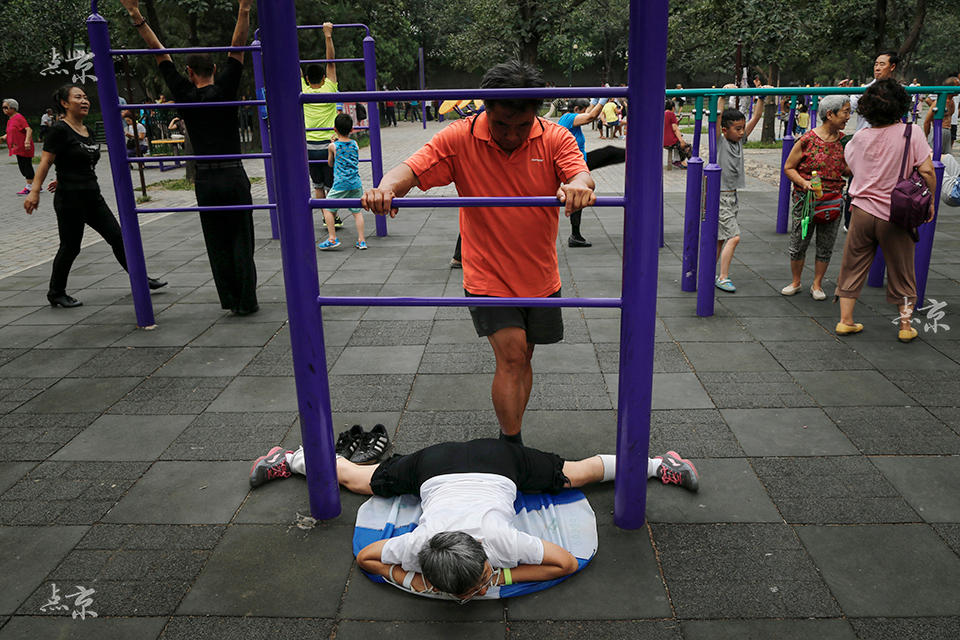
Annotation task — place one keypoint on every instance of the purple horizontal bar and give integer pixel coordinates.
(160, 52)
(533, 201)
(332, 128)
(326, 60)
(228, 156)
(463, 94)
(348, 301)
(225, 207)
(308, 27)
(189, 105)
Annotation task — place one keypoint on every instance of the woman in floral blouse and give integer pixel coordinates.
(818, 150)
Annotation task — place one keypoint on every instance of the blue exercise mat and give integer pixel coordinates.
(565, 519)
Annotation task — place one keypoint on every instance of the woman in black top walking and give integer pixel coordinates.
(72, 148)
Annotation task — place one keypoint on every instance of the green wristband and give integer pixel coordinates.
(507, 577)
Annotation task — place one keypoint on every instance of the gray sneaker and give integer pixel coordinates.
(675, 470)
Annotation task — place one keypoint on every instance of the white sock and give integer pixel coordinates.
(610, 466)
(296, 462)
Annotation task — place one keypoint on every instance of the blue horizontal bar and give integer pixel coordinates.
(530, 201)
(796, 91)
(386, 301)
(160, 52)
(464, 94)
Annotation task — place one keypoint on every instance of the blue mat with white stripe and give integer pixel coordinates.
(564, 518)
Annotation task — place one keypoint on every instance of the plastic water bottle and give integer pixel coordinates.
(816, 185)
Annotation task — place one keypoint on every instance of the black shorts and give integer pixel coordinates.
(529, 469)
(321, 174)
(544, 325)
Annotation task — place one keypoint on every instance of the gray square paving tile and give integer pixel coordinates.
(173, 396)
(895, 430)
(606, 630)
(12, 472)
(224, 628)
(945, 628)
(851, 388)
(76, 395)
(780, 328)
(950, 534)
(237, 335)
(184, 493)
(454, 332)
(27, 336)
(624, 557)
(125, 361)
(6, 355)
(667, 358)
(825, 355)
(418, 429)
(567, 391)
(740, 571)
(729, 356)
(451, 392)
(729, 492)
(208, 361)
(707, 330)
(799, 432)
(372, 333)
(393, 604)
(949, 415)
(399, 313)
(937, 498)
(336, 333)
(891, 355)
(228, 436)
(472, 357)
(370, 392)
(604, 329)
(170, 334)
(383, 359)
(123, 438)
(25, 436)
(138, 537)
(886, 570)
(748, 389)
(766, 306)
(678, 391)
(357, 630)
(570, 434)
(46, 363)
(695, 433)
(87, 335)
(565, 358)
(68, 492)
(66, 628)
(39, 549)
(232, 584)
(855, 493)
(929, 388)
(824, 629)
(289, 501)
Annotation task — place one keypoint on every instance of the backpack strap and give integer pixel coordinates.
(908, 129)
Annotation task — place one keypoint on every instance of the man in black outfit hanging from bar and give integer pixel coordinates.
(216, 131)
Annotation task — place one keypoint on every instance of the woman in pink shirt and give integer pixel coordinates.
(874, 156)
(19, 139)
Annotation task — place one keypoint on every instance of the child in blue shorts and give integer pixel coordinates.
(343, 155)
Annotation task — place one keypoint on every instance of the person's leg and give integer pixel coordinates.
(358, 218)
(70, 229)
(605, 156)
(576, 239)
(858, 253)
(101, 220)
(726, 250)
(826, 239)
(797, 250)
(819, 271)
(25, 164)
(728, 235)
(328, 220)
(670, 468)
(513, 377)
(898, 253)
(457, 259)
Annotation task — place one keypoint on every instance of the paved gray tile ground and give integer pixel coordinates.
(829, 466)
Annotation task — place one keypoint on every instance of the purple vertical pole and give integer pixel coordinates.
(99, 35)
(281, 66)
(877, 268)
(924, 248)
(423, 85)
(648, 42)
(814, 105)
(691, 216)
(783, 205)
(265, 139)
(707, 273)
(373, 119)
(662, 206)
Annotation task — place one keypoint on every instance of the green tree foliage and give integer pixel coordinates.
(29, 29)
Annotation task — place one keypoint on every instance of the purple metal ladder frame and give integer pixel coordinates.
(643, 201)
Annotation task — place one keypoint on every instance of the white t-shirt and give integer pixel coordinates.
(956, 106)
(140, 129)
(480, 504)
(854, 101)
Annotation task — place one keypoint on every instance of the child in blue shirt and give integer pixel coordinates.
(343, 155)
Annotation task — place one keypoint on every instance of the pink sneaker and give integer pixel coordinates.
(24, 192)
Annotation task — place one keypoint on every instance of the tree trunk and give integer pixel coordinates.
(154, 19)
(769, 131)
(194, 37)
(913, 36)
(879, 25)
(528, 37)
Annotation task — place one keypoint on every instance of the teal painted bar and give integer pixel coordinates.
(797, 91)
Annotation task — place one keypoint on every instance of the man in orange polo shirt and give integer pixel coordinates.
(507, 252)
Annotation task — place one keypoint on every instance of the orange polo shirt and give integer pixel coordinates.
(507, 251)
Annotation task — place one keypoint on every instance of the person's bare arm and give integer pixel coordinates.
(28, 140)
(32, 201)
(578, 193)
(149, 37)
(241, 30)
(331, 153)
(589, 115)
(395, 184)
(557, 562)
(752, 123)
(928, 121)
(930, 178)
(369, 560)
(790, 168)
(331, 52)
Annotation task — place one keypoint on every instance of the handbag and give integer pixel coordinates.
(808, 210)
(910, 198)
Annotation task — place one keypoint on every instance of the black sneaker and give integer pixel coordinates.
(349, 441)
(676, 470)
(574, 241)
(337, 222)
(373, 446)
(272, 466)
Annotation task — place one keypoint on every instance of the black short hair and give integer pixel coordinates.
(62, 95)
(577, 103)
(668, 105)
(893, 55)
(729, 116)
(315, 73)
(513, 75)
(884, 102)
(343, 123)
(201, 63)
